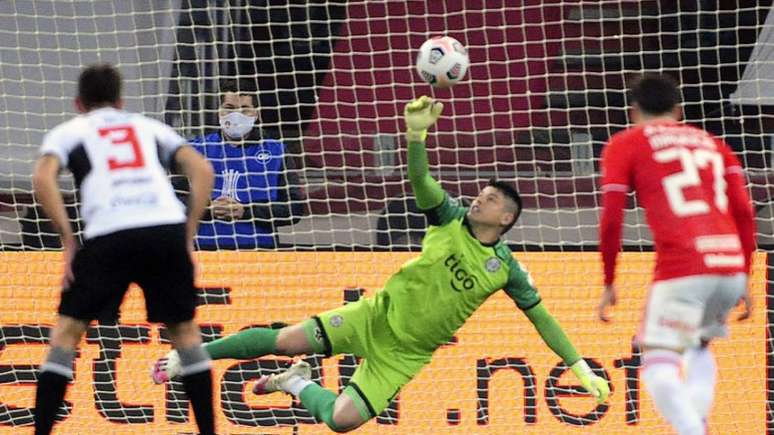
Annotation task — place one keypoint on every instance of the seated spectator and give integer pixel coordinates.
(255, 188)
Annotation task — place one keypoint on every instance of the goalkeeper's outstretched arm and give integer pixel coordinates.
(420, 115)
(553, 335)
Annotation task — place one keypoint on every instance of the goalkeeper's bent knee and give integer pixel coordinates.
(314, 336)
(321, 403)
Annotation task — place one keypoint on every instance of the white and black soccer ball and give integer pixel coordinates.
(442, 61)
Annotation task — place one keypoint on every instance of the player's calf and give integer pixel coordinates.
(700, 373)
(195, 372)
(339, 413)
(56, 372)
(248, 344)
(661, 377)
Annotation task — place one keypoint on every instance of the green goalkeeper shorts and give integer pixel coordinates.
(360, 328)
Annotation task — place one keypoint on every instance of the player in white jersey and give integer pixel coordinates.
(135, 231)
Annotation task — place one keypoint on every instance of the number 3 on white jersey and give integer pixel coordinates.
(691, 161)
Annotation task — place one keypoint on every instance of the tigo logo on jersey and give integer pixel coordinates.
(461, 278)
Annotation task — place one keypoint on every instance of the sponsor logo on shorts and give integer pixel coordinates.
(675, 324)
(336, 321)
(492, 264)
(461, 278)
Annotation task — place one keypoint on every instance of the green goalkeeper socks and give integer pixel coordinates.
(319, 402)
(248, 344)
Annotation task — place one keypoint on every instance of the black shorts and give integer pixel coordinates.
(155, 258)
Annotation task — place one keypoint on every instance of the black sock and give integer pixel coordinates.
(48, 400)
(198, 387)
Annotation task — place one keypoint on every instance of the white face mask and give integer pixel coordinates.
(236, 125)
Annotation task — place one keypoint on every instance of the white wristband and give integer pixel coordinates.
(581, 368)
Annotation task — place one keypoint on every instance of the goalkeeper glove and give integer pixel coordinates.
(420, 115)
(593, 384)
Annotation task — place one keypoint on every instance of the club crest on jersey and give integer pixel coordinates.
(492, 264)
(336, 321)
(263, 156)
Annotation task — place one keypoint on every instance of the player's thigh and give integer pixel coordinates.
(674, 312)
(378, 380)
(100, 280)
(726, 296)
(347, 329)
(301, 338)
(165, 273)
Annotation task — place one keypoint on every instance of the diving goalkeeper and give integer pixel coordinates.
(396, 331)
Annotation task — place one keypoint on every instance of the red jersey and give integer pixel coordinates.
(692, 188)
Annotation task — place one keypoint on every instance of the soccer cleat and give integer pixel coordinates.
(166, 368)
(271, 383)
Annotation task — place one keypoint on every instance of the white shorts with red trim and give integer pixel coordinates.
(682, 311)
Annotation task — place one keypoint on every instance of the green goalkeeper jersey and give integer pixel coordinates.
(434, 294)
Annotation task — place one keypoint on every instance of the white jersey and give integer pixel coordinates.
(119, 161)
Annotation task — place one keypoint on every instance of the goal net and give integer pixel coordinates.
(544, 92)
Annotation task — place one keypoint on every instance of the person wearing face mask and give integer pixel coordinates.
(255, 188)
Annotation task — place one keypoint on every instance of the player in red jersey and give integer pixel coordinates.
(693, 190)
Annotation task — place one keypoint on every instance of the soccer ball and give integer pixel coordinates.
(442, 61)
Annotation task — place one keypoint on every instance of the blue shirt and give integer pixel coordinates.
(249, 174)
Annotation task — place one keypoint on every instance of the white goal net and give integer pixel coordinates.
(335, 216)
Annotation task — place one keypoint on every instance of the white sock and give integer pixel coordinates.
(294, 384)
(661, 375)
(700, 378)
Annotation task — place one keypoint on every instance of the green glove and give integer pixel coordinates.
(594, 384)
(420, 115)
